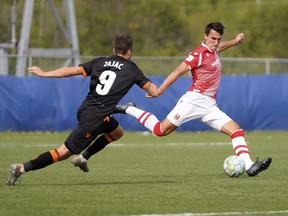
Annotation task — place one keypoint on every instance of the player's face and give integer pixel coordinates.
(212, 40)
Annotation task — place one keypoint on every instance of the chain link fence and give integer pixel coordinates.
(158, 66)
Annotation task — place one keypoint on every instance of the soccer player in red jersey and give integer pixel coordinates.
(199, 101)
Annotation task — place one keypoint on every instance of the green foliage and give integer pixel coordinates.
(145, 174)
(151, 23)
(160, 28)
(266, 28)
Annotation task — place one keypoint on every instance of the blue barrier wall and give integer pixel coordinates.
(256, 102)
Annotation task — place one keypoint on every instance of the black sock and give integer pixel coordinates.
(96, 146)
(40, 162)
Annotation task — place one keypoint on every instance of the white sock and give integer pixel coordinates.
(82, 159)
(240, 148)
(22, 170)
(145, 118)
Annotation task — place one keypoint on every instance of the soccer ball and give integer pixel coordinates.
(234, 166)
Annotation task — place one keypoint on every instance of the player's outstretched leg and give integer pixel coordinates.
(259, 166)
(77, 161)
(121, 108)
(145, 118)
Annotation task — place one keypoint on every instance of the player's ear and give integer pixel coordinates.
(114, 51)
(129, 53)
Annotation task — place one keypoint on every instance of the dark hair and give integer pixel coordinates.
(122, 43)
(217, 26)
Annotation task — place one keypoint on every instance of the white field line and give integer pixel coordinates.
(221, 213)
(123, 144)
(174, 144)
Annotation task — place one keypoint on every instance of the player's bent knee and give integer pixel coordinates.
(159, 135)
(157, 130)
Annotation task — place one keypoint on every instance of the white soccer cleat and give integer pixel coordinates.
(15, 174)
(77, 162)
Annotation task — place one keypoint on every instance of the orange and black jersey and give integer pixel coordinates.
(111, 79)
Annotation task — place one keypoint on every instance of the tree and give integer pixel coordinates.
(159, 28)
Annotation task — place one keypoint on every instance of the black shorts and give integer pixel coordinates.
(89, 128)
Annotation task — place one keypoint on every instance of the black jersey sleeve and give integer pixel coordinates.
(141, 78)
(88, 66)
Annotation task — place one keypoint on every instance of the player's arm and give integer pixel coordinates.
(173, 76)
(58, 73)
(151, 89)
(227, 44)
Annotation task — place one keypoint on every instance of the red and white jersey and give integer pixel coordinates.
(205, 69)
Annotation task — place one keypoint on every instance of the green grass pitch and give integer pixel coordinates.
(141, 174)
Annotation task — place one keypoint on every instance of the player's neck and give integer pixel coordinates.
(126, 56)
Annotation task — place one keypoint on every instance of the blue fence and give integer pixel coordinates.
(256, 102)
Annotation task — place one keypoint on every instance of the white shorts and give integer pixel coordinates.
(194, 105)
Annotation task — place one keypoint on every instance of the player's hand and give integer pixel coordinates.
(35, 70)
(240, 37)
(149, 96)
